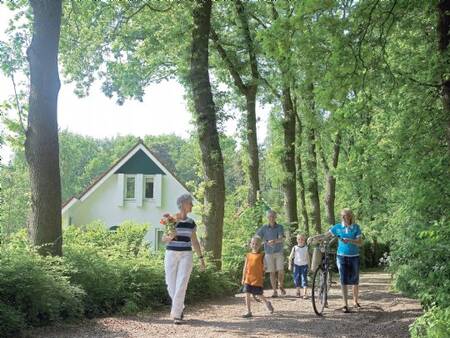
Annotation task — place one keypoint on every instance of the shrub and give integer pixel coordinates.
(102, 272)
(420, 265)
(435, 323)
(119, 272)
(11, 321)
(35, 289)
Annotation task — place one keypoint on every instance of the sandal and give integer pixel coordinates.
(275, 294)
(357, 305)
(345, 309)
(283, 291)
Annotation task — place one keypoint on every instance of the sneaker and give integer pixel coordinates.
(275, 294)
(177, 321)
(283, 291)
(247, 315)
(269, 307)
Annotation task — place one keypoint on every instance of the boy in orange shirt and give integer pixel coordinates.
(253, 276)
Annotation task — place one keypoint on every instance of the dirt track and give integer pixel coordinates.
(383, 314)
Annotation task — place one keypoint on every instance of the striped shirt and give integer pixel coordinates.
(182, 240)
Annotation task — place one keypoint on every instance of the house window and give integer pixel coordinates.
(148, 187)
(159, 242)
(130, 188)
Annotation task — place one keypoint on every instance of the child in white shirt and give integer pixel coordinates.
(299, 260)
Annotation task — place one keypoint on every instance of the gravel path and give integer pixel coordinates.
(383, 314)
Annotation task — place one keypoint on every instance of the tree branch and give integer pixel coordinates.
(19, 107)
(231, 67)
(248, 39)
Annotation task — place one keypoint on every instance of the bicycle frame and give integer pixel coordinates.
(322, 278)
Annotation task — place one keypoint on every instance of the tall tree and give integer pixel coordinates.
(288, 159)
(443, 29)
(311, 162)
(41, 144)
(299, 173)
(205, 115)
(278, 43)
(330, 179)
(248, 89)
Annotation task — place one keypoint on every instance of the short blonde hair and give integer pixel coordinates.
(258, 241)
(301, 236)
(348, 212)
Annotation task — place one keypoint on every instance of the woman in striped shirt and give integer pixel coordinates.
(178, 259)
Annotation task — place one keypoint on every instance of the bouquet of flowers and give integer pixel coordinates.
(169, 221)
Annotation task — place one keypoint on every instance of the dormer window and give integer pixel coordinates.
(130, 188)
(148, 187)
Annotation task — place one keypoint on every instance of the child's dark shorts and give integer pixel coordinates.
(254, 290)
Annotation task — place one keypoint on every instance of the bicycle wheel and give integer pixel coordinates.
(319, 291)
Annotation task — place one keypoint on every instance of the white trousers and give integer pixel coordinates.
(178, 268)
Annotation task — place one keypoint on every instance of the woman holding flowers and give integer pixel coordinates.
(180, 237)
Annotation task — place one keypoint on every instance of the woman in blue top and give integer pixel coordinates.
(347, 260)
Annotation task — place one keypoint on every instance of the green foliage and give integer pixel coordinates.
(35, 290)
(11, 319)
(375, 69)
(240, 225)
(102, 272)
(14, 195)
(420, 263)
(435, 323)
(115, 268)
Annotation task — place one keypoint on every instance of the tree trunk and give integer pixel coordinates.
(313, 186)
(330, 189)
(252, 142)
(444, 40)
(205, 115)
(311, 165)
(300, 181)
(249, 90)
(41, 143)
(289, 182)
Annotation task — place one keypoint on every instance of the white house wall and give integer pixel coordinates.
(102, 205)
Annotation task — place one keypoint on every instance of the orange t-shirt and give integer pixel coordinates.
(254, 272)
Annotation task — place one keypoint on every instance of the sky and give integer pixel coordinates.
(163, 110)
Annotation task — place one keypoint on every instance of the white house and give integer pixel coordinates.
(137, 188)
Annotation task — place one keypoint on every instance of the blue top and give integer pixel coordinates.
(182, 240)
(352, 232)
(267, 233)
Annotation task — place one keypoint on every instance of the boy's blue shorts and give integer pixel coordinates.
(348, 269)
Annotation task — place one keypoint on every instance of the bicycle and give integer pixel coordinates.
(322, 281)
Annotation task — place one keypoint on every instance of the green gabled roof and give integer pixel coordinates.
(140, 163)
